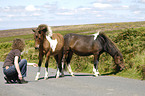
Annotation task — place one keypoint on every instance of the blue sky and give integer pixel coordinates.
(31, 13)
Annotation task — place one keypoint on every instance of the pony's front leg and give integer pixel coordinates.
(39, 64)
(39, 68)
(96, 72)
(38, 74)
(95, 67)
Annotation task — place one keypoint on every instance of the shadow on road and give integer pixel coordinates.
(112, 73)
(77, 75)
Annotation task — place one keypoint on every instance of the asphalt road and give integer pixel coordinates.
(81, 85)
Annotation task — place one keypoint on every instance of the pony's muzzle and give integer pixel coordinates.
(36, 48)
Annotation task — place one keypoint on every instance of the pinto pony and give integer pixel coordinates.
(44, 45)
(85, 45)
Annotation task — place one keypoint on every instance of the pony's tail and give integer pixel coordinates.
(50, 31)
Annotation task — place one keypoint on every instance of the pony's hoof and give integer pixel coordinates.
(57, 77)
(62, 75)
(96, 75)
(37, 76)
(36, 79)
(73, 75)
(45, 78)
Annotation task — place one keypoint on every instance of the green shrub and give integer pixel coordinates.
(5, 45)
(131, 43)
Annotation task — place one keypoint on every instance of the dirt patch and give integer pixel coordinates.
(15, 32)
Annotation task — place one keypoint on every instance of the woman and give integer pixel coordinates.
(14, 68)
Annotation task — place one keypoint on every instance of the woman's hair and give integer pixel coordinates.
(18, 44)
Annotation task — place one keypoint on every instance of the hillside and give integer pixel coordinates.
(129, 38)
(87, 28)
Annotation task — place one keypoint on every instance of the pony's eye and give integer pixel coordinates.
(36, 36)
(39, 32)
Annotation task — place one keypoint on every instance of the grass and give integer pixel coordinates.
(128, 38)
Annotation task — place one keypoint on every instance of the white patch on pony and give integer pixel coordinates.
(70, 70)
(96, 73)
(57, 73)
(37, 76)
(96, 35)
(46, 73)
(53, 43)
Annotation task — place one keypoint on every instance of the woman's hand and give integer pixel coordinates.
(20, 76)
(35, 65)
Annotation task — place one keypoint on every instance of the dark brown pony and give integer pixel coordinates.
(43, 45)
(85, 45)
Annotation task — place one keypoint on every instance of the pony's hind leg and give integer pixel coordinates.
(68, 62)
(46, 73)
(46, 66)
(58, 59)
(70, 70)
(57, 72)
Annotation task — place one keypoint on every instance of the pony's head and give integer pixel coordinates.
(37, 34)
(36, 38)
(112, 49)
(119, 64)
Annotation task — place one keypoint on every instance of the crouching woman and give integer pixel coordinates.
(14, 68)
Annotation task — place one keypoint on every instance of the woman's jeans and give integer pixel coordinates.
(12, 72)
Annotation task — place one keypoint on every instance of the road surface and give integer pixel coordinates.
(81, 85)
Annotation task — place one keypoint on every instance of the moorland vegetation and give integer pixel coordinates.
(129, 38)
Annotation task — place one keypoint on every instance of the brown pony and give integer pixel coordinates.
(41, 43)
(86, 45)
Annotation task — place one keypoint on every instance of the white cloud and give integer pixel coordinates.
(101, 5)
(95, 12)
(143, 1)
(1, 19)
(137, 12)
(31, 8)
(108, 1)
(125, 6)
(65, 13)
(10, 15)
(84, 9)
(36, 14)
(98, 15)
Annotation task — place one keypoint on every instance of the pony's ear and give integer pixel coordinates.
(33, 30)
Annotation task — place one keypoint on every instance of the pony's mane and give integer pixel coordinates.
(43, 26)
(46, 29)
(109, 43)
